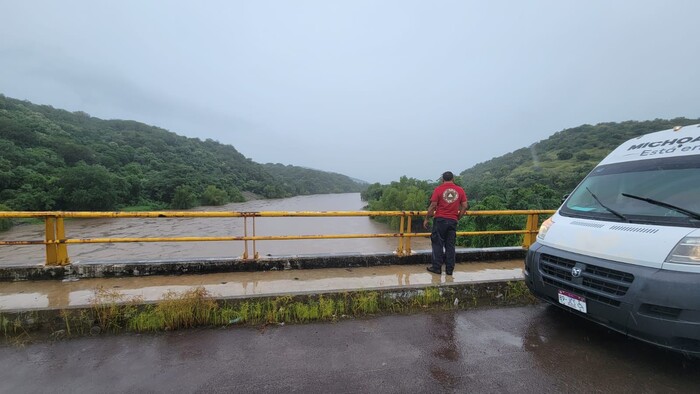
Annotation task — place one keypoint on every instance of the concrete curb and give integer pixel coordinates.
(108, 269)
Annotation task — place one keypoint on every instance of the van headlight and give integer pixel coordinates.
(544, 228)
(687, 251)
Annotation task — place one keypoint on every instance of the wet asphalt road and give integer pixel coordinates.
(507, 350)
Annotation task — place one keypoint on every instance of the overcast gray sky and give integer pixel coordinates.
(370, 89)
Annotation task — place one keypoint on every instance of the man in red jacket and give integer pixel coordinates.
(447, 204)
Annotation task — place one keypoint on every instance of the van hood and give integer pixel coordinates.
(638, 244)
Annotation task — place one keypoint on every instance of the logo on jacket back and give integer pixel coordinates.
(450, 195)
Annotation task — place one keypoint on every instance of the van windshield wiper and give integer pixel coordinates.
(621, 216)
(684, 211)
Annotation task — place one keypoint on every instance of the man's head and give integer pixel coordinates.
(447, 176)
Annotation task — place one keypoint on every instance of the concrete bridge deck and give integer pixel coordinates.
(95, 296)
(76, 293)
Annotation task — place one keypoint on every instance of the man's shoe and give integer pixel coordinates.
(435, 271)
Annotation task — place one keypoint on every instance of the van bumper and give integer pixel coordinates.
(657, 306)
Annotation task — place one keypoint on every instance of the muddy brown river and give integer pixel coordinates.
(215, 227)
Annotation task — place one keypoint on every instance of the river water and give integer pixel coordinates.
(215, 227)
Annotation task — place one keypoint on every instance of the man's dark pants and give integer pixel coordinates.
(443, 239)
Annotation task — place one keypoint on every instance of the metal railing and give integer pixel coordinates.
(56, 242)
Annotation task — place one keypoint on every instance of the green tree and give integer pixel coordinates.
(490, 223)
(32, 198)
(372, 193)
(184, 198)
(408, 194)
(214, 196)
(564, 155)
(234, 194)
(89, 187)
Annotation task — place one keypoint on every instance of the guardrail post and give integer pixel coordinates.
(56, 249)
(245, 235)
(61, 247)
(50, 236)
(532, 227)
(255, 251)
(400, 251)
(407, 245)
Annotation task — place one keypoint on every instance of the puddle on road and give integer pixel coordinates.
(55, 294)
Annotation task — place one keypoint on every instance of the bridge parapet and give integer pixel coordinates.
(136, 268)
(56, 242)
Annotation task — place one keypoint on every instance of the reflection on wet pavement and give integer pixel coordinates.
(533, 349)
(55, 294)
(444, 365)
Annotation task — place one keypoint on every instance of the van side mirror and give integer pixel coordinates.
(564, 198)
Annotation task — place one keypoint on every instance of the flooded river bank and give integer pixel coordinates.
(215, 227)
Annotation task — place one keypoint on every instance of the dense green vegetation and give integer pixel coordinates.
(53, 159)
(302, 181)
(112, 312)
(536, 177)
(408, 194)
(557, 163)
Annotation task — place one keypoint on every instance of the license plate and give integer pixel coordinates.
(572, 301)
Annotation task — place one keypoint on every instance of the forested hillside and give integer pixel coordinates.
(554, 165)
(536, 177)
(302, 180)
(51, 159)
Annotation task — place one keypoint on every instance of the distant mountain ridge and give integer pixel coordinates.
(310, 181)
(52, 159)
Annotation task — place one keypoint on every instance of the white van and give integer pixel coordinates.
(623, 250)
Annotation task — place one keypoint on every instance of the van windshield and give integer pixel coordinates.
(659, 191)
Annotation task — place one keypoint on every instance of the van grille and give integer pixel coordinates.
(595, 282)
(587, 294)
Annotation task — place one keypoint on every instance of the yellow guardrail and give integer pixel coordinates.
(56, 242)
